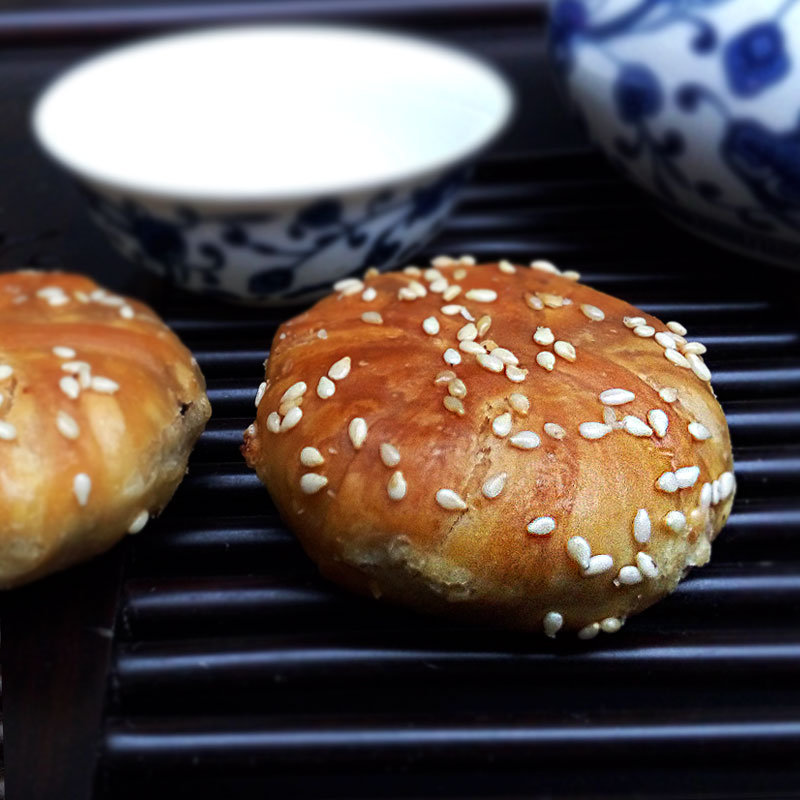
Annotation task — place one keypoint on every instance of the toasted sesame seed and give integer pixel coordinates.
(431, 274)
(418, 289)
(274, 422)
(340, 369)
(484, 323)
(451, 310)
(489, 344)
(507, 267)
(450, 500)
(668, 394)
(493, 485)
(546, 360)
(565, 350)
(676, 358)
(687, 476)
(598, 565)
(64, 352)
(396, 486)
(705, 495)
(292, 393)
(453, 405)
(545, 266)
(457, 388)
(348, 286)
(665, 340)
(443, 261)
(390, 455)
(644, 331)
(543, 336)
(293, 416)
(699, 367)
(481, 295)
(312, 482)
(431, 326)
(139, 521)
(676, 521)
(81, 487)
(103, 385)
(589, 631)
(534, 302)
(593, 430)
(554, 430)
(616, 397)
(635, 426)
(629, 575)
(699, 431)
(70, 387)
(519, 403)
(641, 526)
(451, 356)
(610, 417)
(610, 624)
(372, 318)
(311, 457)
(283, 408)
(659, 421)
(407, 293)
(468, 332)
(541, 526)
(439, 286)
(451, 292)
(694, 348)
(633, 322)
(552, 623)
(593, 312)
(369, 294)
(67, 426)
(551, 300)
(325, 388)
(6, 371)
(7, 431)
(676, 327)
(727, 485)
(357, 431)
(505, 355)
(579, 550)
(525, 440)
(445, 376)
(501, 425)
(646, 565)
(490, 363)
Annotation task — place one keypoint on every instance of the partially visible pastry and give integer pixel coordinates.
(100, 406)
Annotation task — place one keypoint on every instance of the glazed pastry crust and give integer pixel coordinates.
(84, 460)
(481, 562)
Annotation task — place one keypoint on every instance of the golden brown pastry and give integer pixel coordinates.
(494, 442)
(100, 405)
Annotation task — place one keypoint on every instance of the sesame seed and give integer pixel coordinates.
(525, 440)
(676, 358)
(443, 261)
(589, 632)
(687, 476)
(451, 292)
(418, 289)
(667, 482)
(676, 327)
(665, 340)
(311, 482)
(545, 266)
(641, 526)
(431, 326)
(340, 369)
(322, 333)
(311, 457)
(633, 322)
(481, 295)
(7, 431)
(451, 356)
(453, 405)
(598, 565)
(451, 310)
(705, 495)
(515, 374)
(679, 340)
(546, 360)
(407, 293)
(554, 430)
(325, 388)
(501, 426)
(292, 393)
(507, 267)
(571, 274)
(610, 417)
(293, 416)
(715, 493)
(699, 431)
(593, 312)
(104, 385)
(675, 521)
(70, 387)
(468, 332)
(551, 300)
(396, 486)
(668, 394)
(635, 426)
(552, 623)
(81, 487)
(541, 526)
(519, 403)
(357, 431)
(593, 430)
(126, 312)
(484, 323)
(466, 314)
(579, 550)
(274, 422)
(630, 575)
(445, 376)
(457, 388)
(727, 485)
(390, 455)
(505, 355)
(469, 260)
(490, 363)
(369, 294)
(493, 485)
(64, 352)
(67, 426)
(696, 348)
(699, 367)
(543, 336)
(139, 521)
(616, 397)
(659, 421)
(489, 344)
(610, 624)
(431, 274)
(372, 318)
(534, 302)
(439, 286)
(646, 565)
(6, 371)
(348, 286)
(450, 500)
(565, 350)
(644, 331)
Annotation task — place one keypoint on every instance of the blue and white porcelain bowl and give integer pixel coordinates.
(262, 164)
(699, 102)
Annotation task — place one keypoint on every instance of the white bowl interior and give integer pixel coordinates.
(269, 112)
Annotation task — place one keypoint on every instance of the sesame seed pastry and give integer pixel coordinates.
(494, 442)
(100, 405)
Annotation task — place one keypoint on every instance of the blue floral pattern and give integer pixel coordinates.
(756, 59)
